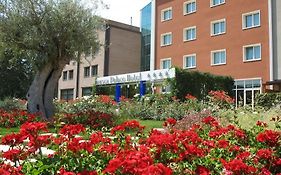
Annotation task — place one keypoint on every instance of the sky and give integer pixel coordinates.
(123, 10)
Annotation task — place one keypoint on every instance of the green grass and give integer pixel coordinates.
(150, 124)
(4, 131)
(248, 118)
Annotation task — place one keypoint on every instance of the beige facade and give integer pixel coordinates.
(119, 54)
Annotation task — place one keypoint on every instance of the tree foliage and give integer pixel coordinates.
(15, 74)
(49, 30)
(50, 33)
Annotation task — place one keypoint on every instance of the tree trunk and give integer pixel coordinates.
(41, 92)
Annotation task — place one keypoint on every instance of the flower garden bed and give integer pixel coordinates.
(203, 149)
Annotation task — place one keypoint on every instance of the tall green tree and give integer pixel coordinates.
(15, 74)
(51, 33)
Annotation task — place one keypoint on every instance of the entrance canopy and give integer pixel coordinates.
(151, 76)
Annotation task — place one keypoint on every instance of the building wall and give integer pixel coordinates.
(89, 60)
(97, 59)
(122, 44)
(68, 84)
(276, 25)
(233, 40)
(124, 50)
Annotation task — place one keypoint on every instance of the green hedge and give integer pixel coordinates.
(268, 100)
(199, 84)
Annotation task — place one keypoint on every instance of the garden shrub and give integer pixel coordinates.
(268, 100)
(9, 104)
(199, 84)
(159, 107)
(220, 100)
(101, 103)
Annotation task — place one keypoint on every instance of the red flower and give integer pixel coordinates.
(158, 169)
(128, 125)
(129, 162)
(85, 172)
(190, 97)
(269, 137)
(237, 166)
(210, 121)
(221, 96)
(265, 171)
(6, 169)
(264, 153)
(71, 130)
(33, 128)
(13, 139)
(262, 124)
(243, 155)
(223, 143)
(201, 170)
(170, 122)
(106, 99)
(13, 154)
(64, 172)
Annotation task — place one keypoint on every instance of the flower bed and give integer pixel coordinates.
(90, 118)
(206, 149)
(15, 118)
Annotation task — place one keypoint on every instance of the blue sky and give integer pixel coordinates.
(123, 10)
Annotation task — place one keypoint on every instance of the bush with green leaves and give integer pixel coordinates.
(10, 104)
(199, 84)
(159, 107)
(268, 100)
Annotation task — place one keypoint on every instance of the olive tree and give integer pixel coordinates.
(51, 33)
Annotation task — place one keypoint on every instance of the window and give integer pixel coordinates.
(67, 94)
(251, 20)
(166, 63)
(252, 52)
(189, 7)
(94, 70)
(86, 71)
(218, 27)
(64, 75)
(218, 57)
(166, 14)
(166, 39)
(70, 75)
(217, 2)
(189, 61)
(86, 91)
(189, 34)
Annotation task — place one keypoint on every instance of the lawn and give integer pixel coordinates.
(150, 124)
(4, 131)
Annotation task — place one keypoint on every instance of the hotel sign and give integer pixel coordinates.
(155, 75)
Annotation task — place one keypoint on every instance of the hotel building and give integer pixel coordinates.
(237, 38)
(120, 54)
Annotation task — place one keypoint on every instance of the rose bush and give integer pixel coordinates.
(208, 148)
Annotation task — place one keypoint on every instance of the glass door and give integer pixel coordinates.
(249, 98)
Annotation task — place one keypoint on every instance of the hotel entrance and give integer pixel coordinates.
(246, 91)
